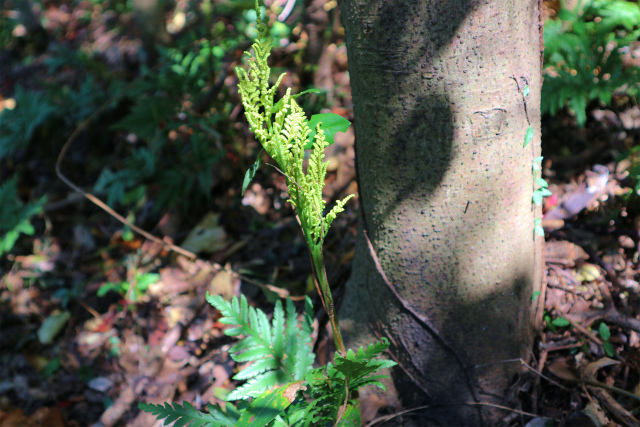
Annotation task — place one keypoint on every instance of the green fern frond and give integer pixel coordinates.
(280, 350)
(356, 366)
(187, 415)
(284, 137)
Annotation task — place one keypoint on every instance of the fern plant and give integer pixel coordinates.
(584, 52)
(282, 387)
(280, 352)
(19, 125)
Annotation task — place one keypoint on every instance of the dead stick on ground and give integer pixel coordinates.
(282, 293)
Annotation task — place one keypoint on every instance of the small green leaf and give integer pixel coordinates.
(536, 294)
(525, 92)
(528, 136)
(251, 173)
(539, 230)
(545, 192)
(330, 123)
(269, 405)
(538, 159)
(537, 197)
(560, 322)
(541, 182)
(609, 349)
(604, 331)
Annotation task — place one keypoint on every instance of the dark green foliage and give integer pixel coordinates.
(18, 126)
(186, 415)
(583, 56)
(15, 215)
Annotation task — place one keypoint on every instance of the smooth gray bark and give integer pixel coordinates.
(445, 188)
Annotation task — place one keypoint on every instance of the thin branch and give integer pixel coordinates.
(282, 293)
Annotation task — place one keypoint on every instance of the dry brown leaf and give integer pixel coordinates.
(43, 417)
(561, 369)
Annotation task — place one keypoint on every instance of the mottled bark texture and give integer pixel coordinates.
(445, 188)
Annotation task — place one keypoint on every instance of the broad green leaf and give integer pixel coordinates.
(528, 136)
(560, 322)
(251, 173)
(269, 405)
(331, 124)
(604, 331)
(525, 92)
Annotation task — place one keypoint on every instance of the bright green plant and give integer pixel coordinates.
(605, 334)
(15, 216)
(282, 387)
(541, 186)
(583, 55)
(554, 324)
(132, 289)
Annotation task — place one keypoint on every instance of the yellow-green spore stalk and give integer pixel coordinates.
(282, 129)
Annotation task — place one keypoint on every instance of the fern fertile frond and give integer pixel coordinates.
(280, 350)
(187, 415)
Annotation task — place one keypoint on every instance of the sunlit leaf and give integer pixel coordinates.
(330, 123)
(269, 405)
(251, 173)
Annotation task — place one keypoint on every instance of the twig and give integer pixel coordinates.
(419, 408)
(584, 330)
(526, 365)
(93, 198)
(421, 319)
(282, 293)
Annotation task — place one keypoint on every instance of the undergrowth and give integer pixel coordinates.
(282, 386)
(584, 55)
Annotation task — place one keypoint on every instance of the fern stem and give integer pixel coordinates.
(321, 274)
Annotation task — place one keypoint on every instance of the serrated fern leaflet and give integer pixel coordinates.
(280, 350)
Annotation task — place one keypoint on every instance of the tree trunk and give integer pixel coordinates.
(445, 189)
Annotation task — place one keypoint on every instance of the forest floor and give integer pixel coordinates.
(95, 317)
